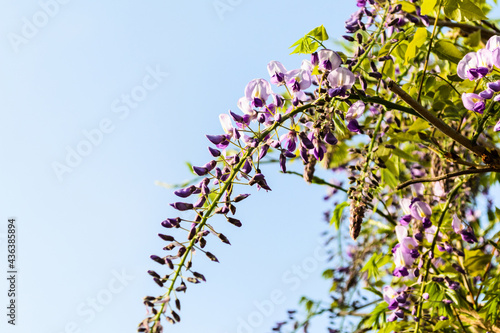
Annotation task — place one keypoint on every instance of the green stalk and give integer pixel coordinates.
(215, 202)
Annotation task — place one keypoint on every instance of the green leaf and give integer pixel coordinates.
(319, 33)
(463, 10)
(418, 40)
(404, 155)
(446, 50)
(428, 6)
(389, 179)
(337, 214)
(418, 126)
(474, 38)
(307, 44)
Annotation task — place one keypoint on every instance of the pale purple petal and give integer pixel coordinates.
(355, 111)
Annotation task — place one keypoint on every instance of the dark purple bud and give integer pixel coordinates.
(247, 167)
(419, 236)
(348, 38)
(359, 38)
(166, 237)
(314, 59)
(399, 313)
(222, 210)
(159, 260)
(364, 85)
(319, 153)
(468, 235)
(263, 151)
(236, 117)
(158, 282)
(200, 202)
(214, 152)
(414, 253)
(260, 181)
(289, 154)
(375, 75)
(211, 257)
(353, 126)
(416, 272)
(295, 101)
(153, 274)
(240, 197)
(170, 264)
(458, 268)
(170, 223)
(185, 192)
(495, 86)
(210, 165)
(224, 239)
(397, 8)
(236, 133)
(305, 141)
(217, 173)
(182, 206)
(235, 222)
(437, 279)
(181, 252)
(459, 253)
(200, 171)
(200, 276)
(282, 159)
(486, 94)
(216, 139)
(442, 318)
(235, 159)
(426, 222)
(394, 22)
(331, 139)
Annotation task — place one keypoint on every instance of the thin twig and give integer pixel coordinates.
(438, 123)
(445, 176)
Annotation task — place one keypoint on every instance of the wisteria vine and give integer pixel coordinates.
(407, 115)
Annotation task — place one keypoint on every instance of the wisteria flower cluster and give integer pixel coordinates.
(387, 119)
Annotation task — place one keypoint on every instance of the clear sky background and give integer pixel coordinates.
(87, 230)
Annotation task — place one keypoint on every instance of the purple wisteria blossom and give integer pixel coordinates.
(475, 65)
(298, 79)
(473, 102)
(493, 45)
(257, 92)
(355, 111)
(277, 72)
(340, 79)
(328, 60)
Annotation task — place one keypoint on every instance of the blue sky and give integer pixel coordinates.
(87, 224)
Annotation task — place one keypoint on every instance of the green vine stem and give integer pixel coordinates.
(215, 202)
